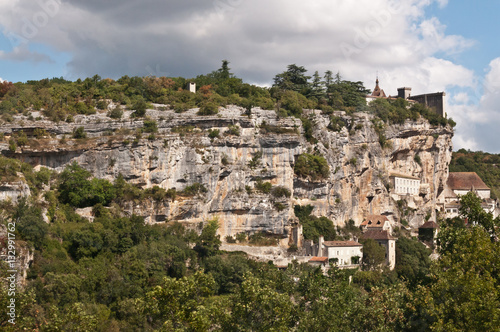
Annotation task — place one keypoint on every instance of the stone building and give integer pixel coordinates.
(345, 254)
(387, 241)
(460, 183)
(376, 222)
(434, 101)
(404, 184)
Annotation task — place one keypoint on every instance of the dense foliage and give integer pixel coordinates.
(117, 273)
(311, 166)
(486, 165)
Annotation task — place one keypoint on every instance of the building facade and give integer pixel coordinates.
(403, 184)
(384, 239)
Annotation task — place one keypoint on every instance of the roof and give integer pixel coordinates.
(429, 224)
(319, 259)
(377, 235)
(405, 176)
(378, 92)
(448, 193)
(466, 181)
(375, 220)
(342, 244)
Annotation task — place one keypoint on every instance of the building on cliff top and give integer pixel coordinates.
(434, 101)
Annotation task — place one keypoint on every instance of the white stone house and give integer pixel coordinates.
(404, 184)
(346, 254)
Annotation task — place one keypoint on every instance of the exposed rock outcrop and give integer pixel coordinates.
(229, 166)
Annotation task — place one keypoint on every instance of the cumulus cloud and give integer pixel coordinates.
(22, 53)
(259, 37)
(478, 123)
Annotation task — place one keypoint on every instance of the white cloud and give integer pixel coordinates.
(442, 3)
(478, 123)
(22, 53)
(260, 38)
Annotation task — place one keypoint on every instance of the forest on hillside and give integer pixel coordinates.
(118, 274)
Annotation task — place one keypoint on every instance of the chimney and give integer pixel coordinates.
(321, 239)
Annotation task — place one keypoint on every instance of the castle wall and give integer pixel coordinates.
(434, 101)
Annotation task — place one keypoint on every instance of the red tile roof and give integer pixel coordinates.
(375, 220)
(466, 181)
(319, 259)
(377, 235)
(342, 244)
(429, 224)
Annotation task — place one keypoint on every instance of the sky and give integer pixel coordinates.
(428, 45)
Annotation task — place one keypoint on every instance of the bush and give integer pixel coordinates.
(262, 239)
(233, 130)
(116, 113)
(263, 187)
(22, 139)
(255, 161)
(208, 109)
(150, 126)
(213, 133)
(241, 237)
(195, 189)
(102, 104)
(311, 166)
(280, 191)
(79, 132)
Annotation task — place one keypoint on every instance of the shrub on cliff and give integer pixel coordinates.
(208, 109)
(77, 190)
(311, 166)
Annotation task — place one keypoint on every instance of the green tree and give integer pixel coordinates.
(208, 242)
(294, 78)
(79, 132)
(259, 307)
(30, 223)
(140, 107)
(412, 260)
(311, 166)
(472, 211)
(373, 254)
(181, 305)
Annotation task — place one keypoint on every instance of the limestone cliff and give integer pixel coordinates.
(229, 165)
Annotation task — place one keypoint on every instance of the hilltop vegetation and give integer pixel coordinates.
(486, 165)
(292, 91)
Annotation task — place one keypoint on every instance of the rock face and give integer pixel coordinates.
(229, 166)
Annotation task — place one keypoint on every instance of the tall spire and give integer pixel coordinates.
(378, 92)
